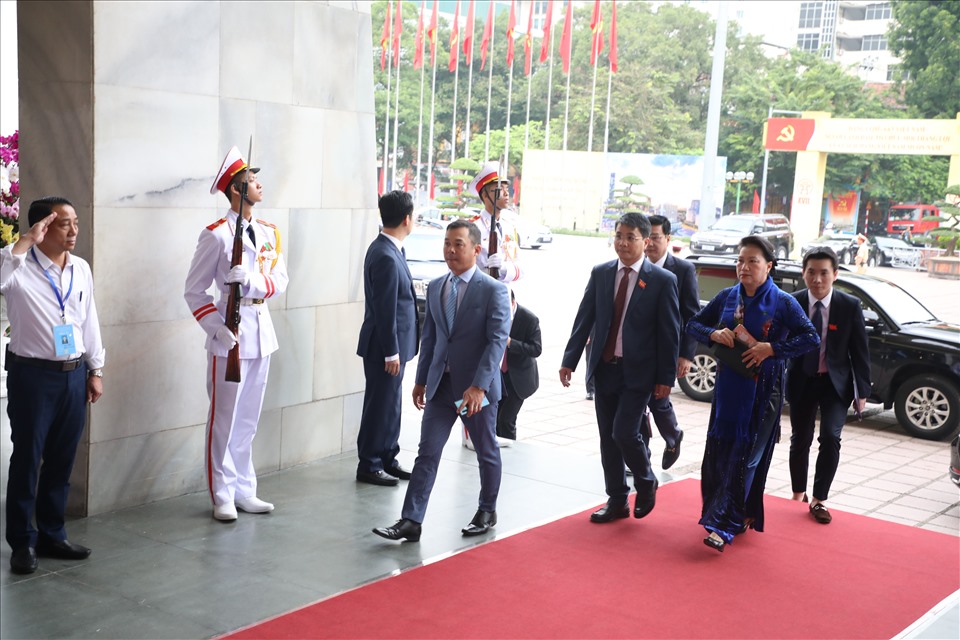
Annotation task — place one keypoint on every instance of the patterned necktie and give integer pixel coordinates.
(811, 361)
(610, 347)
(451, 308)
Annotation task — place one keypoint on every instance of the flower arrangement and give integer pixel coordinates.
(9, 188)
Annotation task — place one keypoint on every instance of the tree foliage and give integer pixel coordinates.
(925, 35)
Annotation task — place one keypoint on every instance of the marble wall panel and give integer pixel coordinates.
(289, 147)
(141, 469)
(321, 257)
(155, 148)
(257, 51)
(155, 379)
(266, 446)
(325, 68)
(311, 431)
(364, 85)
(338, 370)
(291, 368)
(238, 121)
(349, 144)
(364, 228)
(171, 46)
(142, 260)
(352, 410)
(67, 24)
(63, 111)
(360, 6)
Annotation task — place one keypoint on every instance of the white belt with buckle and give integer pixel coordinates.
(249, 301)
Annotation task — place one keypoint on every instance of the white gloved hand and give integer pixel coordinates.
(494, 261)
(238, 275)
(225, 338)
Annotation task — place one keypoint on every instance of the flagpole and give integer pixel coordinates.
(506, 143)
(466, 127)
(386, 115)
(493, 35)
(528, 71)
(593, 91)
(566, 109)
(396, 113)
(423, 69)
(433, 98)
(526, 138)
(606, 126)
(546, 141)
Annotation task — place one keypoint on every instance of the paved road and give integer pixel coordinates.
(883, 472)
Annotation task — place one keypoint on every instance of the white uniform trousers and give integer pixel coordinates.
(234, 414)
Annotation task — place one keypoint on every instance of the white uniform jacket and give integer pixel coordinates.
(507, 245)
(268, 278)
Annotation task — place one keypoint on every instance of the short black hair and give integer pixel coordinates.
(394, 207)
(472, 230)
(40, 209)
(769, 253)
(637, 221)
(662, 222)
(822, 253)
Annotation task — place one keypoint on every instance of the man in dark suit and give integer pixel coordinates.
(521, 378)
(388, 340)
(830, 378)
(632, 308)
(464, 336)
(658, 252)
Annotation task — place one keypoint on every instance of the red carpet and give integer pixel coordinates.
(855, 578)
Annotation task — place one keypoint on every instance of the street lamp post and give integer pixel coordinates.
(739, 177)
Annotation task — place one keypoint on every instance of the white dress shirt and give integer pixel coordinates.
(34, 310)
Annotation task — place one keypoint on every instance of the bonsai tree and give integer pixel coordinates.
(947, 234)
(453, 203)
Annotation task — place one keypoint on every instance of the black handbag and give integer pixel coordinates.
(732, 357)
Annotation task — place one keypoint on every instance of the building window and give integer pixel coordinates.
(895, 73)
(875, 43)
(808, 41)
(881, 11)
(539, 14)
(810, 15)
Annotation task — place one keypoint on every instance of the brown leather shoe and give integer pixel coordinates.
(820, 513)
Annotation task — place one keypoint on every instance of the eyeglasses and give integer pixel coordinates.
(657, 237)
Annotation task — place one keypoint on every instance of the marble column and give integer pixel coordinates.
(127, 108)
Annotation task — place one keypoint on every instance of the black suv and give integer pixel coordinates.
(914, 357)
(724, 236)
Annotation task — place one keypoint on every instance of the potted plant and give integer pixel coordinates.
(946, 235)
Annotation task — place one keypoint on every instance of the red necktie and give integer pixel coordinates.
(618, 304)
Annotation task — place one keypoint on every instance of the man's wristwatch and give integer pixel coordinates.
(95, 372)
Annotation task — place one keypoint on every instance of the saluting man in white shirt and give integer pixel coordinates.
(262, 274)
(55, 365)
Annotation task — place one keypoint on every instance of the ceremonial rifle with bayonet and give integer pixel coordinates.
(492, 247)
(236, 295)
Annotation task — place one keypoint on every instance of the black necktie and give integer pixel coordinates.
(811, 361)
(403, 252)
(253, 238)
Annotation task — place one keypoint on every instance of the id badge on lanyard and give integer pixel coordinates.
(64, 342)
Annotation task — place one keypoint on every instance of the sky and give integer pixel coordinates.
(9, 116)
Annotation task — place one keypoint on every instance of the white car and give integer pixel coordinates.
(532, 235)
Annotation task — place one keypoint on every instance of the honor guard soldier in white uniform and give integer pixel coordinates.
(485, 185)
(262, 274)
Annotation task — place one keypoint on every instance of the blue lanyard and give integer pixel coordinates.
(56, 290)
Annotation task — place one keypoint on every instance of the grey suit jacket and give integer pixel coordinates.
(474, 348)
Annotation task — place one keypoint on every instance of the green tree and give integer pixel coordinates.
(925, 35)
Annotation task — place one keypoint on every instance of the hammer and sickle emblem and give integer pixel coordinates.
(786, 134)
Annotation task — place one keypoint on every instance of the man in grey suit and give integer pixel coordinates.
(464, 337)
(631, 307)
(658, 252)
(388, 340)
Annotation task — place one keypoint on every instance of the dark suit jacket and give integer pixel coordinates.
(390, 309)
(474, 349)
(651, 325)
(689, 294)
(848, 355)
(525, 347)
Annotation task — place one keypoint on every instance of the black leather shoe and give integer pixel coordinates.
(610, 512)
(378, 478)
(62, 549)
(482, 522)
(671, 455)
(24, 561)
(403, 530)
(398, 472)
(645, 501)
(715, 541)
